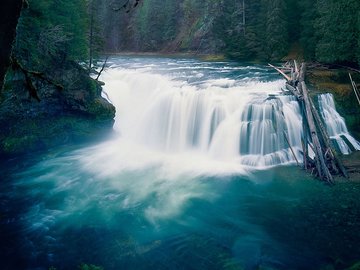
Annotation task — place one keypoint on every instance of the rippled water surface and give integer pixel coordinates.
(184, 201)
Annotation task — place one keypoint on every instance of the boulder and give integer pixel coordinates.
(69, 109)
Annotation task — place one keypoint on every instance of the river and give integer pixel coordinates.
(197, 175)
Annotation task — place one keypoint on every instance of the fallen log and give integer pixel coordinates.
(335, 161)
(355, 89)
(294, 91)
(323, 170)
(321, 167)
(326, 160)
(281, 72)
(292, 151)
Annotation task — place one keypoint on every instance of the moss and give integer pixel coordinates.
(101, 109)
(84, 266)
(213, 57)
(93, 87)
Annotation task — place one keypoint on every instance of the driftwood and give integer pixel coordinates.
(335, 160)
(281, 72)
(326, 161)
(294, 91)
(321, 167)
(356, 91)
(292, 151)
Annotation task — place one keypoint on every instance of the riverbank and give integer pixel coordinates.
(192, 55)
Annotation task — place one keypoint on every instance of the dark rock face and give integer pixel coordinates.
(72, 113)
(9, 14)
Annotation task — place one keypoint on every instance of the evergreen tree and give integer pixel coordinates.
(253, 29)
(276, 42)
(327, 30)
(155, 24)
(229, 28)
(307, 33)
(336, 30)
(51, 32)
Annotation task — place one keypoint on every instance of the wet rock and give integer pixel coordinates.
(73, 113)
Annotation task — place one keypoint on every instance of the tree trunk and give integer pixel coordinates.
(9, 15)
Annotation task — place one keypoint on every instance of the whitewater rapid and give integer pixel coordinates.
(336, 126)
(224, 120)
(175, 109)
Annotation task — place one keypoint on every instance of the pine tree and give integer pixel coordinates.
(51, 32)
(307, 32)
(228, 27)
(273, 30)
(253, 29)
(336, 30)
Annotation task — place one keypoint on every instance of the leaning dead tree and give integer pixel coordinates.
(356, 90)
(9, 15)
(319, 154)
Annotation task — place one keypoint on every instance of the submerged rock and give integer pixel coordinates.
(73, 112)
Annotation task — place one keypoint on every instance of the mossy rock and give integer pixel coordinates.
(74, 113)
(101, 109)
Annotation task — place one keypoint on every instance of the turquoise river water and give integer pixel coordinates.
(197, 175)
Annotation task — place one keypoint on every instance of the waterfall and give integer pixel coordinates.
(222, 119)
(335, 125)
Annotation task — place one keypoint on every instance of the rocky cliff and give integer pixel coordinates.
(40, 111)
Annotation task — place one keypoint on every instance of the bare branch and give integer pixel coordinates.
(102, 68)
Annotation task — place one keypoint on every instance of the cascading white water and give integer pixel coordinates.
(335, 125)
(224, 119)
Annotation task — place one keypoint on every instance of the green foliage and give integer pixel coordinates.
(323, 30)
(58, 31)
(336, 30)
(154, 24)
(229, 29)
(276, 33)
(307, 38)
(90, 267)
(52, 32)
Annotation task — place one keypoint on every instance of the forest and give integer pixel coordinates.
(180, 134)
(324, 30)
(244, 30)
